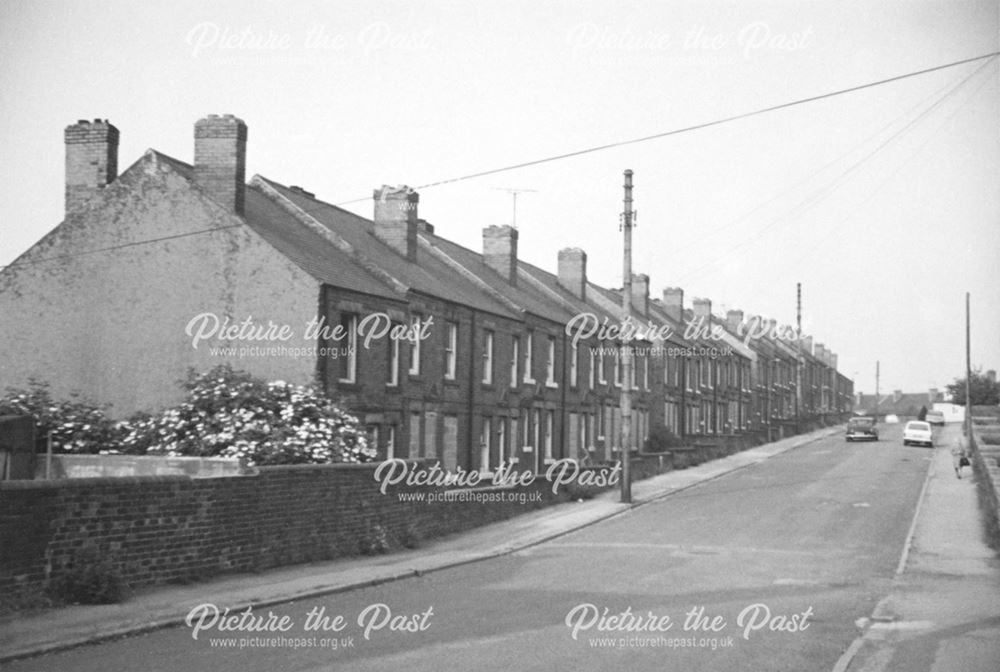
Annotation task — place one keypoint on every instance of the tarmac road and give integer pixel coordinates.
(767, 568)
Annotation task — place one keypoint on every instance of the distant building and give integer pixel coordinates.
(898, 403)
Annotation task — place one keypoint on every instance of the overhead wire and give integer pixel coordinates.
(703, 236)
(695, 127)
(906, 162)
(828, 189)
(559, 157)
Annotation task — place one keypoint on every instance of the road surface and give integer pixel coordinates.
(767, 568)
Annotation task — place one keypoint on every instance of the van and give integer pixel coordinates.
(934, 417)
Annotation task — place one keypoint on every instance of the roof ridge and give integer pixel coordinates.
(468, 274)
(561, 300)
(307, 220)
(274, 184)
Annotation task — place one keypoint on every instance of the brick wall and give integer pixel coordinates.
(163, 529)
(985, 461)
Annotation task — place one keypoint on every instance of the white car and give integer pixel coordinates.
(919, 433)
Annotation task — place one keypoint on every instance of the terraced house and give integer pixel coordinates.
(442, 351)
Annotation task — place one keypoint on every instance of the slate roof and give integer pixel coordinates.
(429, 276)
(306, 249)
(528, 298)
(309, 250)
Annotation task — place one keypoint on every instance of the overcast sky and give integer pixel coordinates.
(883, 202)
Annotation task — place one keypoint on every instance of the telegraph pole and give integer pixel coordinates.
(876, 390)
(968, 372)
(626, 401)
(799, 360)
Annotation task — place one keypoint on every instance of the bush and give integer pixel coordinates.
(232, 414)
(77, 426)
(92, 579)
(374, 542)
(411, 537)
(577, 493)
(661, 440)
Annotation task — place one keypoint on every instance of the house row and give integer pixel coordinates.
(899, 403)
(473, 357)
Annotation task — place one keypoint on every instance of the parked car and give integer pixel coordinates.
(862, 428)
(935, 417)
(919, 433)
(891, 419)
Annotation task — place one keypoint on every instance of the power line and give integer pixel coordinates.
(145, 241)
(805, 180)
(906, 162)
(559, 157)
(696, 127)
(825, 191)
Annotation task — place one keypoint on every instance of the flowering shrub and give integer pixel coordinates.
(232, 414)
(77, 426)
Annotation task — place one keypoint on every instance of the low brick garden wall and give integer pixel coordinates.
(173, 528)
(159, 529)
(986, 464)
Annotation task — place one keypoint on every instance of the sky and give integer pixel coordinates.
(882, 202)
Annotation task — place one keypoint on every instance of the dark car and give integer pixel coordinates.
(862, 428)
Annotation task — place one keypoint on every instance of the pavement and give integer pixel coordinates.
(943, 611)
(937, 540)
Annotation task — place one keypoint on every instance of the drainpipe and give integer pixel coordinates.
(472, 393)
(322, 366)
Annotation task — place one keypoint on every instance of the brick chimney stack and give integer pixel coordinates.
(703, 308)
(673, 304)
(734, 320)
(91, 159)
(640, 293)
(396, 220)
(220, 155)
(500, 251)
(573, 271)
